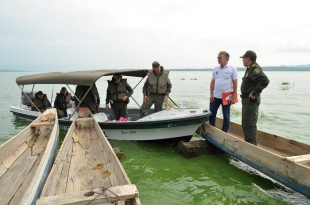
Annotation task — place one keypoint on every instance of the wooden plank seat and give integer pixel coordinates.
(298, 159)
(39, 124)
(111, 194)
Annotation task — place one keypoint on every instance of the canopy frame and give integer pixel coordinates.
(87, 78)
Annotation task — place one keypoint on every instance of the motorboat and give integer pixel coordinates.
(169, 124)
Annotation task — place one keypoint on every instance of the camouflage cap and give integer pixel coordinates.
(250, 54)
(116, 77)
(155, 64)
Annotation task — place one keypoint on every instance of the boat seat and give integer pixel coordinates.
(70, 111)
(101, 117)
(73, 104)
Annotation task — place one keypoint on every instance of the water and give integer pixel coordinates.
(165, 177)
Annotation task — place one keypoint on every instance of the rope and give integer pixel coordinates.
(104, 190)
(201, 130)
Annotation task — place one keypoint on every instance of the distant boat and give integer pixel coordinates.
(26, 159)
(86, 169)
(173, 124)
(285, 160)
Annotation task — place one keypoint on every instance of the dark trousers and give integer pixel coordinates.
(158, 101)
(120, 110)
(249, 119)
(62, 113)
(214, 106)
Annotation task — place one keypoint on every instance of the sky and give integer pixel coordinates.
(60, 35)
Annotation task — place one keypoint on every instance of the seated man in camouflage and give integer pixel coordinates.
(62, 102)
(40, 102)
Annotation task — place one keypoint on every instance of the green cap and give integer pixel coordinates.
(250, 54)
(155, 64)
(39, 93)
(116, 77)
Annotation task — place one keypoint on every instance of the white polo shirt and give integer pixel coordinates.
(224, 79)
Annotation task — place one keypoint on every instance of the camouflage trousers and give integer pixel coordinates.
(120, 110)
(62, 113)
(249, 119)
(157, 100)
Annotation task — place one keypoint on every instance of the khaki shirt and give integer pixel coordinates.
(254, 80)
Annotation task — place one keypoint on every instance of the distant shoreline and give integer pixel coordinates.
(243, 69)
(267, 68)
(8, 70)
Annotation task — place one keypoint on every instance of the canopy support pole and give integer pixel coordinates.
(80, 101)
(22, 89)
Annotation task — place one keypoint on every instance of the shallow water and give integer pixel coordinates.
(165, 177)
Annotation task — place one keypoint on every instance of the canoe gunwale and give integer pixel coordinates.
(281, 168)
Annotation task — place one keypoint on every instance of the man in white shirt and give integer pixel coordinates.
(224, 80)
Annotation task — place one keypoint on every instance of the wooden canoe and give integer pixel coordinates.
(86, 169)
(285, 160)
(27, 158)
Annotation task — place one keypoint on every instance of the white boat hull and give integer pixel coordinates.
(178, 124)
(150, 134)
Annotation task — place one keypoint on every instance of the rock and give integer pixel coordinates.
(196, 148)
(120, 155)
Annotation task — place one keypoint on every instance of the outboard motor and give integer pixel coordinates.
(25, 100)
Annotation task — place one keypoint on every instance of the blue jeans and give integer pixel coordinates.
(214, 106)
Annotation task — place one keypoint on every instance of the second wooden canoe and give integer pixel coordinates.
(285, 160)
(26, 159)
(86, 169)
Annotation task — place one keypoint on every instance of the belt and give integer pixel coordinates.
(245, 96)
(116, 102)
(157, 94)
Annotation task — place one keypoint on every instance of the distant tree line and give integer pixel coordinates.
(267, 68)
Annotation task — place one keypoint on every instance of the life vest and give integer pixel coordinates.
(79, 92)
(41, 104)
(117, 91)
(158, 85)
(63, 102)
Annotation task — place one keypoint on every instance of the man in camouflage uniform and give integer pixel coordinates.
(253, 82)
(91, 100)
(156, 89)
(118, 92)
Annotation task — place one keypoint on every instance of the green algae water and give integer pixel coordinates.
(163, 176)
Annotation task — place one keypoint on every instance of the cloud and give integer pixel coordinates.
(122, 34)
(294, 47)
